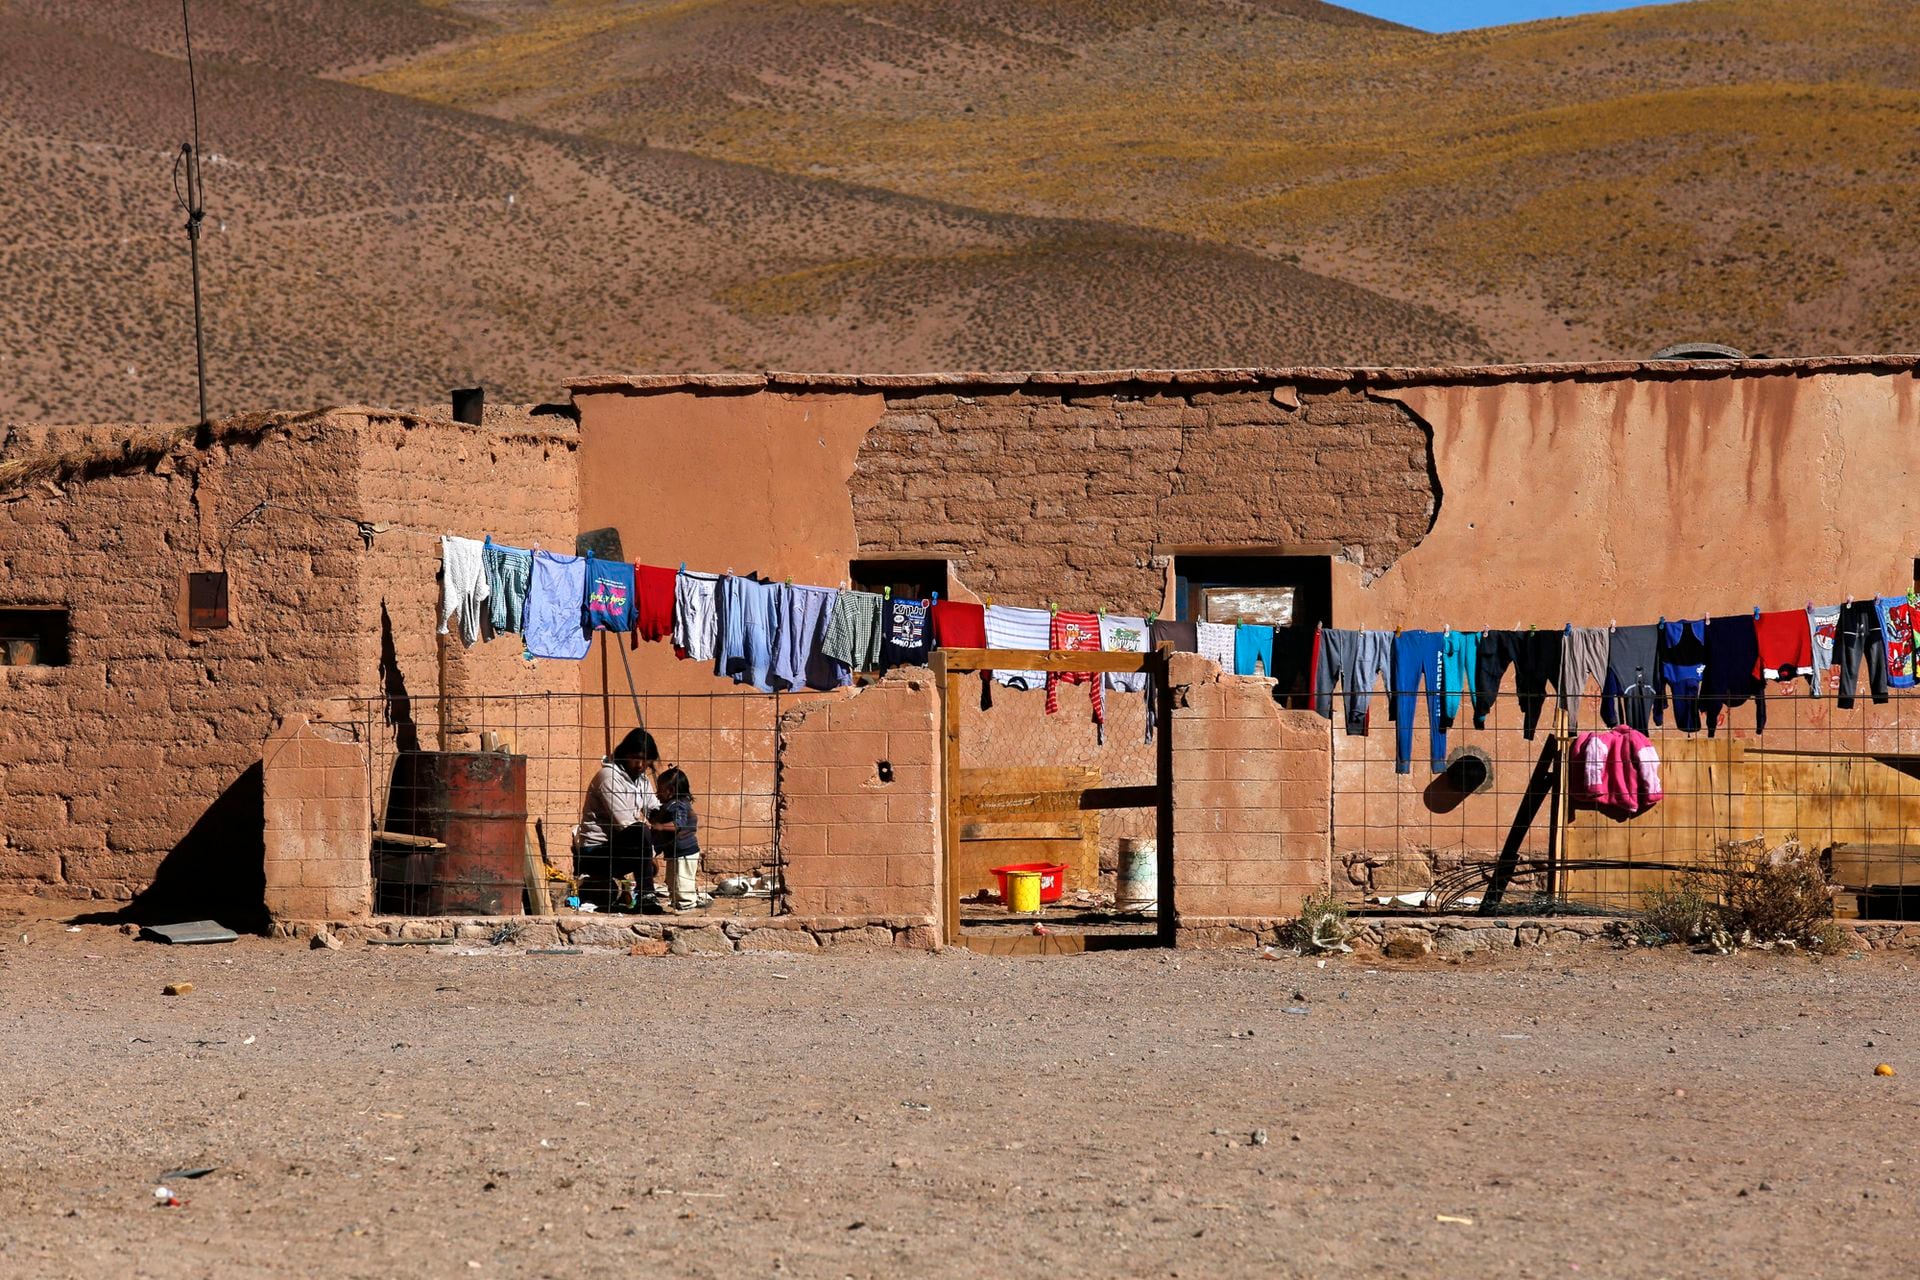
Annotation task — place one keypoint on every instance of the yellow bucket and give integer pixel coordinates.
(1023, 891)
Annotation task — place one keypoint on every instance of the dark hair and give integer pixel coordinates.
(637, 743)
(673, 785)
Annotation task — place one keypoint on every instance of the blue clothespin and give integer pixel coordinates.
(936, 598)
(683, 566)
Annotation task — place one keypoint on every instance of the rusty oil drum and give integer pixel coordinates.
(476, 803)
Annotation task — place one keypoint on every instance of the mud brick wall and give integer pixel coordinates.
(852, 844)
(135, 769)
(1062, 497)
(145, 748)
(515, 479)
(317, 844)
(1249, 797)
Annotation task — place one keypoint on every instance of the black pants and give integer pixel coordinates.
(1858, 636)
(1535, 659)
(629, 852)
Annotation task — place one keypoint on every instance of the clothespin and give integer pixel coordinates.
(1153, 617)
(683, 566)
(1053, 608)
(886, 593)
(936, 598)
(789, 579)
(1613, 624)
(488, 542)
(986, 602)
(1756, 613)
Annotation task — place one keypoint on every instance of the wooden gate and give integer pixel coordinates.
(1020, 789)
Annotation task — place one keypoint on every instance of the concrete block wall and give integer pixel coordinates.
(851, 843)
(1250, 797)
(317, 860)
(1062, 496)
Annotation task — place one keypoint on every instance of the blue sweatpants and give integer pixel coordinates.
(1416, 657)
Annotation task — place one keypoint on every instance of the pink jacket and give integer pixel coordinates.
(1617, 772)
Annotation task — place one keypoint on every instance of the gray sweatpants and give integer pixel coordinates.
(1583, 657)
(1355, 660)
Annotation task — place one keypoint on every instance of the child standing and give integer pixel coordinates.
(676, 839)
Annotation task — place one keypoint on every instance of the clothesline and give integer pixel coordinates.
(783, 635)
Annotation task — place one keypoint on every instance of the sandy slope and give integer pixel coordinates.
(368, 247)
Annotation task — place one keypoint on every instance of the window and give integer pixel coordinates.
(33, 637)
(1290, 593)
(207, 601)
(908, 579)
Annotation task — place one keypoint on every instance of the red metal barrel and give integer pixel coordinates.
(476, 803)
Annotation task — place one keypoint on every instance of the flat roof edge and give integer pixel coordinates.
(1367, 375)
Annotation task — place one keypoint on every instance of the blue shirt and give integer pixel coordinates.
(556, 607)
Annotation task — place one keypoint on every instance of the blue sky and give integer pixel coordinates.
(1458, 15)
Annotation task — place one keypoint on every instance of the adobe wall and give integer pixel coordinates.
(516, 478)
(1064, 496)
(135, 769)
(146, 746)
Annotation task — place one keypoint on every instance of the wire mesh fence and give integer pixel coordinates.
(1485, 818)
(494, 780)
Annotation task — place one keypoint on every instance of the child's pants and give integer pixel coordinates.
(1416, 656)
(682, 874)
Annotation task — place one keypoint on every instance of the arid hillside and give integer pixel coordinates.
(409, 194)
(366, 246)
(1746, 170)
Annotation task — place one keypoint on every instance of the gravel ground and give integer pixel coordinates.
(382, 1111)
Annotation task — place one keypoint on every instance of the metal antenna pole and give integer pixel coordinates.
(194, 202)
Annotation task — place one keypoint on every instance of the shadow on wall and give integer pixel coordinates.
(393, 685)
(215, 872)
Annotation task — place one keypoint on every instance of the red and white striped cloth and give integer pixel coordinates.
(1076, 632)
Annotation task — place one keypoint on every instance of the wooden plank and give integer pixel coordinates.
(1002, 779)
(961, 660)
(989, 829)
(1037, 802)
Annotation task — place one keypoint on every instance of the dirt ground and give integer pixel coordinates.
(385, 1111)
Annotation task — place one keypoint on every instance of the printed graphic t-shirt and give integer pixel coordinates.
(907, 637)
(609, 595)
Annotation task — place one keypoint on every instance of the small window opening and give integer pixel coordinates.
(907, 579)
(33, 637)
(1291, 594)
(207, 601)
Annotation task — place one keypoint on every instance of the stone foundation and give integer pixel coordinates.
(1461, 935)
(682, 935)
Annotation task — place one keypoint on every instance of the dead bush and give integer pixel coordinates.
(1770, 895)
(1679, 913)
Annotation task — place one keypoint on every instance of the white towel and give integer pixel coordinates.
(1124, 635)
(1215, 642)
(1009, 627)
(463, 585)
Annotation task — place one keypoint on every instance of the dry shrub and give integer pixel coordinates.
(1772, 895)
(1747, 894)
(1679, 913)
(1322, 925)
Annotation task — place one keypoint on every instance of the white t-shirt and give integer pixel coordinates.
(463, 585)
(696, 621)
(1124, 635)
(1011, 627)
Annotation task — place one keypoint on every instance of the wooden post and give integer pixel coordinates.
(606, 698)
(949, 681)
(1166, 922)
